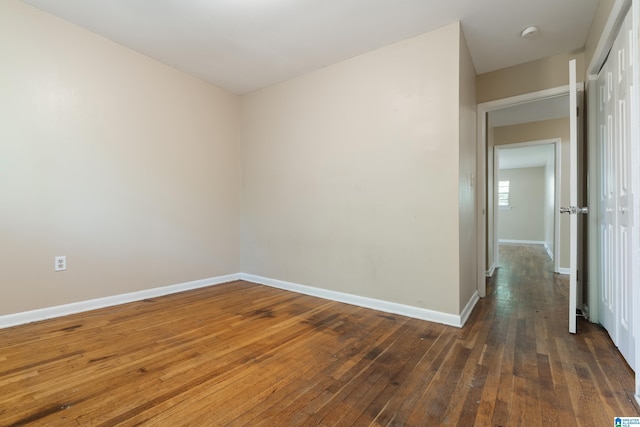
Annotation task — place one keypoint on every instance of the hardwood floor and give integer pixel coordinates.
(244, 354)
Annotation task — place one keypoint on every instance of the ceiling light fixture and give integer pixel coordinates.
(529, 32)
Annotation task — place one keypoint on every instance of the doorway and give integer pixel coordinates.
(596, 61)
(527, 196)
(543, 118)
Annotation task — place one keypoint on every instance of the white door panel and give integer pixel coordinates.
(573, 195)
(576, 188)
(616, 195)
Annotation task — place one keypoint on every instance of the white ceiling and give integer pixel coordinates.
(525, 157)
(244, 45)
(543, 109)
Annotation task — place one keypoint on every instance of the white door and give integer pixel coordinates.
(624, 221)
(573, 210)
(616, 207)
(607, 200)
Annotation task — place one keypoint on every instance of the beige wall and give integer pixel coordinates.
(146, 157)
(535, 131)
(525, 78)
(350, 178)
(467, 176)
(524, 218)
(126, 166)
(133, 170)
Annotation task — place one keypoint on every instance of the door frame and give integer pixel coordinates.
(483, 111)
(556, 143)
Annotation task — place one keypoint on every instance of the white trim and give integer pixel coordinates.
(563, 270)
(523, 242)
(549, 252)
(556, 200)
(376, 304)
(593, 233)
(573, 195)
(491, 270)
(468, 309)
(481, 208)
(494, 202)
(523, 99)
(94, 304)
(110, 301)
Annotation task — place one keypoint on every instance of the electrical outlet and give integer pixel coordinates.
(60, 263)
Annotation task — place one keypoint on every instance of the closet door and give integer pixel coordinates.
(615, 214)
(624, 220)
(607, 206)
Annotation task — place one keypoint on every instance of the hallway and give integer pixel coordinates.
(544, 372)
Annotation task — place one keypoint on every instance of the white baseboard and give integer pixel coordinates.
(491, 270)
(564, 271)
(522, 242)
(376, 304)
(82, 306)
(468, 309)
(548, 249)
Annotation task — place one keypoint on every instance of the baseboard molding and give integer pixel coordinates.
(375, 304)
(22, 318)
(522, 242)
(468, 309)
(548, 249)
(94, 304)
(491, 270)
(564, 271)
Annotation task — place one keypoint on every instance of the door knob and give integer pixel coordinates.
(575, 210)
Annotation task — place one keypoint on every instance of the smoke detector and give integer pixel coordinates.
(529, 32)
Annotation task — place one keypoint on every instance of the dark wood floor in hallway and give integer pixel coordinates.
(242, 354)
